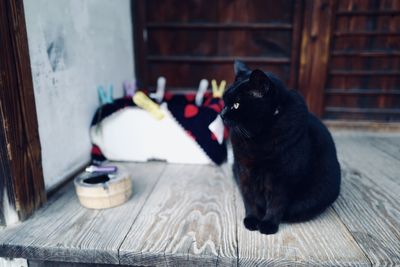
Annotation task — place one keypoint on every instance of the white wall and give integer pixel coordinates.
(74, 45)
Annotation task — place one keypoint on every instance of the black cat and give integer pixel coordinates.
(285, 160)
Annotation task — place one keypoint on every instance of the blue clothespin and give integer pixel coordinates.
(105, 98)
(129, 88)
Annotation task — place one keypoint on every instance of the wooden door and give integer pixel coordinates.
(363, 80)
(342, 55)
(186, 41)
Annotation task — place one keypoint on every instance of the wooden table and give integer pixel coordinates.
(192, 215)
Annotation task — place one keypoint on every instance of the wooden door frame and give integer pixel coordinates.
(318, 21)
(21, 177)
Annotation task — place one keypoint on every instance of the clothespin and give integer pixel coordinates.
(218, 91)
(141, 100)
(105, 98)
(129, 88)
(201, 91)
(159, 94)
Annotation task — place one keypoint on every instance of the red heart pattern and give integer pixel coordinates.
(190, 111)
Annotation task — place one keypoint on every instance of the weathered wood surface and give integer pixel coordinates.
(188, 220)
(265, 34)
(317, 26)
(21, 178)
(323, 241)
(362, 58)
(185, 215)
(369, 204)
(65, 231)
(65, 264)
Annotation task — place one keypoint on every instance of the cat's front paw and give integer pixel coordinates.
(268, 227)
(251, 223)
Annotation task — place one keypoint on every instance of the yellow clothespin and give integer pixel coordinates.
(218, 91)
(141, 100)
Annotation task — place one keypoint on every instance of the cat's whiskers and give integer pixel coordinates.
(244, 132)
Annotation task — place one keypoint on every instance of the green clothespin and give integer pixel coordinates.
(105, 98)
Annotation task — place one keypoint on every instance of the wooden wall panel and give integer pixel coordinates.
(364, 73)
(316, 40)
(181, 11)
(339, 54)
(198, 39)
(227, 11)
(190, 73)
(214, 42)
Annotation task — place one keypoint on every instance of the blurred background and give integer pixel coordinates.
(344, 56)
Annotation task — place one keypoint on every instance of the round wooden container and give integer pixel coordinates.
(101, 191)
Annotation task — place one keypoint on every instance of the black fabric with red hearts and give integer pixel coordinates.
(195, 120)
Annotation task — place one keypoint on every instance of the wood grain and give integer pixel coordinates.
(188, 220)
(191, 215)
(314, 59)
(67, 264)
(20, 147)
(388, 144)
(323, 241)
(188, 41)
(369, 202)
(66, 231)
(364, 55)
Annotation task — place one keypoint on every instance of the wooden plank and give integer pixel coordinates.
(362, 92)
(68, 232)
(367, 33)
(60, 213)
(367, 53)
(218, 59)
(67, 264)
(219, 26)
(368, 13)
(364, 110)
(8, 214)
(356, 150)
(387, 144)
(211, 37)
(364, 72)
(323, 241)
(20, 159)
(317, 29)
(189, 220)
(366, 126)
(182, 74)
(13, 262)
(369, 202)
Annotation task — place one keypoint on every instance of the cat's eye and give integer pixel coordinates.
(236, 105)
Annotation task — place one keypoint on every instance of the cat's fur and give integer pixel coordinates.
(285, 160)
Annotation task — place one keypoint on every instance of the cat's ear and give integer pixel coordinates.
(240, 68)
(260, 83)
